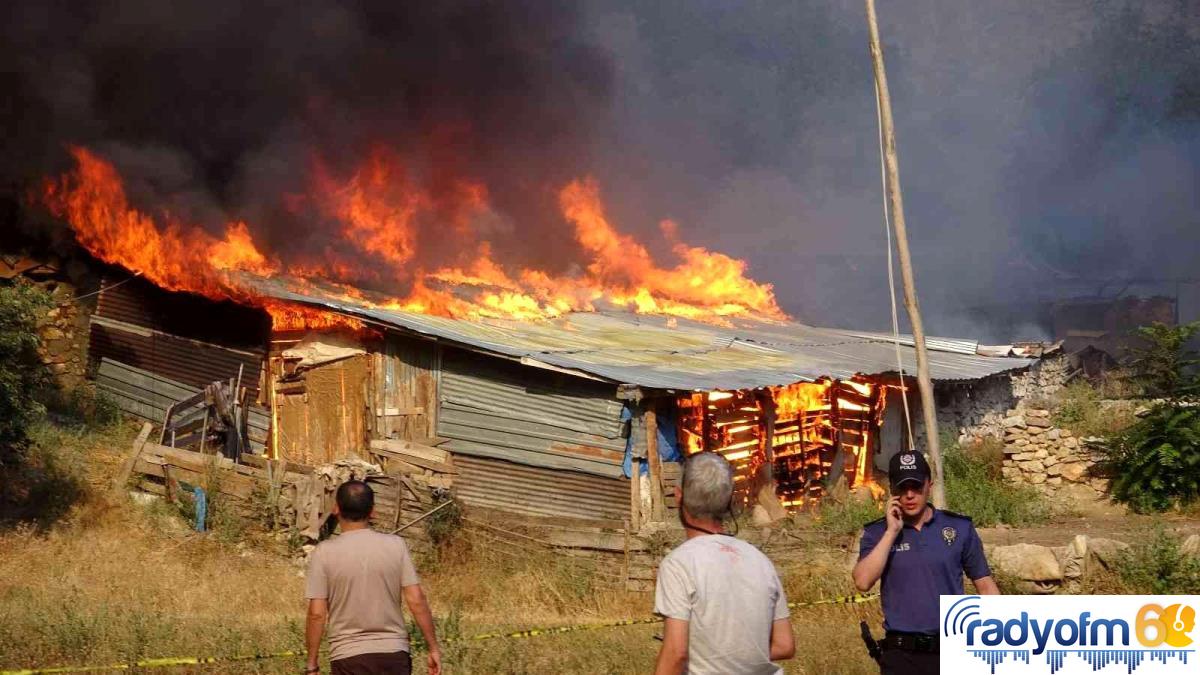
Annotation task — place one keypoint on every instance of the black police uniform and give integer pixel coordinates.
(922, 565)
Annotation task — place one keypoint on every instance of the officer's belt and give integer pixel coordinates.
(910, 642)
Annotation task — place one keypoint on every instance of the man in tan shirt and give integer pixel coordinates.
(354, 585)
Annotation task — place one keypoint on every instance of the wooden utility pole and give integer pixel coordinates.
(896, 204)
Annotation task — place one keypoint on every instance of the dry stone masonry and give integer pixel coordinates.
(978, 409)
(64, 328)
(64, 333)
(1038, 453)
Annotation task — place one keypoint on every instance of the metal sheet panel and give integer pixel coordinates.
(140, 303)
(672, 353)
(519, 488)
(189, 362)
(531, 416)
(147, 396)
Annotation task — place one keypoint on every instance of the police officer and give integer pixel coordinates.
(920, 553)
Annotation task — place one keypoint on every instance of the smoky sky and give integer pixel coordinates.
(1047, 149)
(1044, 147)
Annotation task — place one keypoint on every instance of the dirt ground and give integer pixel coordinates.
(114, 581)
(1130, 528)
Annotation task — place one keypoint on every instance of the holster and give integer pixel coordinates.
(870, 642)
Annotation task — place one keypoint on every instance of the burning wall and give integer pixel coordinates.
(803, 435)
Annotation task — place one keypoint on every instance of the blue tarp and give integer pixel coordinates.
(668, 443)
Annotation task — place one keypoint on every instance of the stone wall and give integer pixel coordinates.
(64, 329)
(1057, 462)
(65, 336)
(977, 409)
(1013, 408)
(1044, 380)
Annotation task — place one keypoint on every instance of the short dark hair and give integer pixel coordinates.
(355, 500)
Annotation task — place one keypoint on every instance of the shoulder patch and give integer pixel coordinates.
(956, 515)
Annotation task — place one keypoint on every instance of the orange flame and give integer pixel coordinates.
(380, 211)
(288, 317)
(174, 256)
(802, 437)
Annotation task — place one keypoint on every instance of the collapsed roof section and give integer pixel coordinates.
(678, 354)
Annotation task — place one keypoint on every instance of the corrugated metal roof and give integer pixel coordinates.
(670, 353)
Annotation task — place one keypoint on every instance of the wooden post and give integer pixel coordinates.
(635, 494)
(204, 431)
(837, 466)
(896, 203)
(399, 502)
(126, 470)
(656, 489)
(273, 401)
(625, 571)
(768, 404)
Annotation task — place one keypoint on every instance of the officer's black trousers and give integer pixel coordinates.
(901, 662)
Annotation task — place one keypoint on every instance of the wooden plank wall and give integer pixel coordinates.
(405, 389)
(328, 420)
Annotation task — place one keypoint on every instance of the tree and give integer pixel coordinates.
(1165, 367)
(23, 377)
(1156, 462)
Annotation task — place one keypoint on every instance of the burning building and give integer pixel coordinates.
(546, 417)
(538, 392)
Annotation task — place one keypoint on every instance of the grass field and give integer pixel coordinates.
(111, 581)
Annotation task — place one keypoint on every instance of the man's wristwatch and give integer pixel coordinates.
(312, 669)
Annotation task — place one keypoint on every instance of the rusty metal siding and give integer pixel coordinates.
(178, 336)
(517, 488)
(137, 302)
(189, 362)
(491, 408)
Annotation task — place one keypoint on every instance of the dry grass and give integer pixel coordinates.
(1081, 408)
(114, 582)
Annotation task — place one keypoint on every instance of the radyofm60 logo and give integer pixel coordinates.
(1069, 634)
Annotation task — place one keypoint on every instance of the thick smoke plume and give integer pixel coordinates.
(1046, 148)
(217, 112)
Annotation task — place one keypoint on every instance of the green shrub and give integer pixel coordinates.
(1156, 463)
(23, 376)
(85, 406)
(444, 525)
(1159, 567)
(975, 488)
(1165, 367)
(47, 482)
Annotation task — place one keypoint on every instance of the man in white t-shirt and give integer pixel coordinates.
(723, 606)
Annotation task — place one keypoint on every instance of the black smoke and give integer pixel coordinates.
(215, 110)
(1047, 149)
